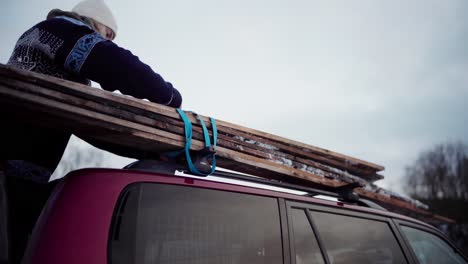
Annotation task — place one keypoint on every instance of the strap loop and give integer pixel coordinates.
(203, 154)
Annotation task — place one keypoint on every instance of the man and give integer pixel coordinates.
(76, 46)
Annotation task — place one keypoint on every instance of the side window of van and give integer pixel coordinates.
(306, 246)
(350, 239)
(158, 223)
(429, 248)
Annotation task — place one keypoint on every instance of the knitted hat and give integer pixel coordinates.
(97, 10)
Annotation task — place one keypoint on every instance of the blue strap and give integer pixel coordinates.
(188, 135)
(215, 141)
(188, 142)
(206, 136)
(215, 131)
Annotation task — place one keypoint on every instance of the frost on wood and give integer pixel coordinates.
(281, 158)
(287, 162)
(325, 171)
(344, 176)
(387, 193)
(253, 142)
(313, 166)
(302, 167)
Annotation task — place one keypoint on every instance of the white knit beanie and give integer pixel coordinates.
(97, 10)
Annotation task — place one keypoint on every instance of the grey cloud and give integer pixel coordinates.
(380, 80)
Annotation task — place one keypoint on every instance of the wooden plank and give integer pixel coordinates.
(348, 163)
(153, 128)
(265, 144)
(301, 148)
(98, 108)
(78, 117)
(389, 200)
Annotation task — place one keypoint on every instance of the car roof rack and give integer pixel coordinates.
(343, 193)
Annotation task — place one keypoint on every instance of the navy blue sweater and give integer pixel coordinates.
(67, 48)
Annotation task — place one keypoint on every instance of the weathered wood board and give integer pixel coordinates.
(149, 127)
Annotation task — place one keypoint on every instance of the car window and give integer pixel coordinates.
(159, 223)
(429, 248)
(357, 240)
(305, 243)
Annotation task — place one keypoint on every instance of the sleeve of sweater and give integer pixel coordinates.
(87, 54)
(115, 68)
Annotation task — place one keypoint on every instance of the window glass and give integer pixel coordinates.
(305, 243)
(429, 248)
(356, 240)
(179, 224)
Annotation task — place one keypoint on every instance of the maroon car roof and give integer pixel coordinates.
(77, 219)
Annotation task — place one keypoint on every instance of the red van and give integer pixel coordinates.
(129, 216)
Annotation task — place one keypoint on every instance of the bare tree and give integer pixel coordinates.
(78, 155)
(441, 172)
(439, 178)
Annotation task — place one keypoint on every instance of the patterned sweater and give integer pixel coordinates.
(67, 48)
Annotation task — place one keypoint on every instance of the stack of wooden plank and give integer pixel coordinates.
(153, 128)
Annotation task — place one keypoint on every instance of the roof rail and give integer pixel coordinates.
(344, 193)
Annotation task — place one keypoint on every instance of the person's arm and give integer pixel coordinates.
(115, 68)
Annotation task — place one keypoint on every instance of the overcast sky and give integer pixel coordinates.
(377, 80)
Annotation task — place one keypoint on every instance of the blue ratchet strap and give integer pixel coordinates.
(208, 150)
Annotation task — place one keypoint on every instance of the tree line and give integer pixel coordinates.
(439, 178)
